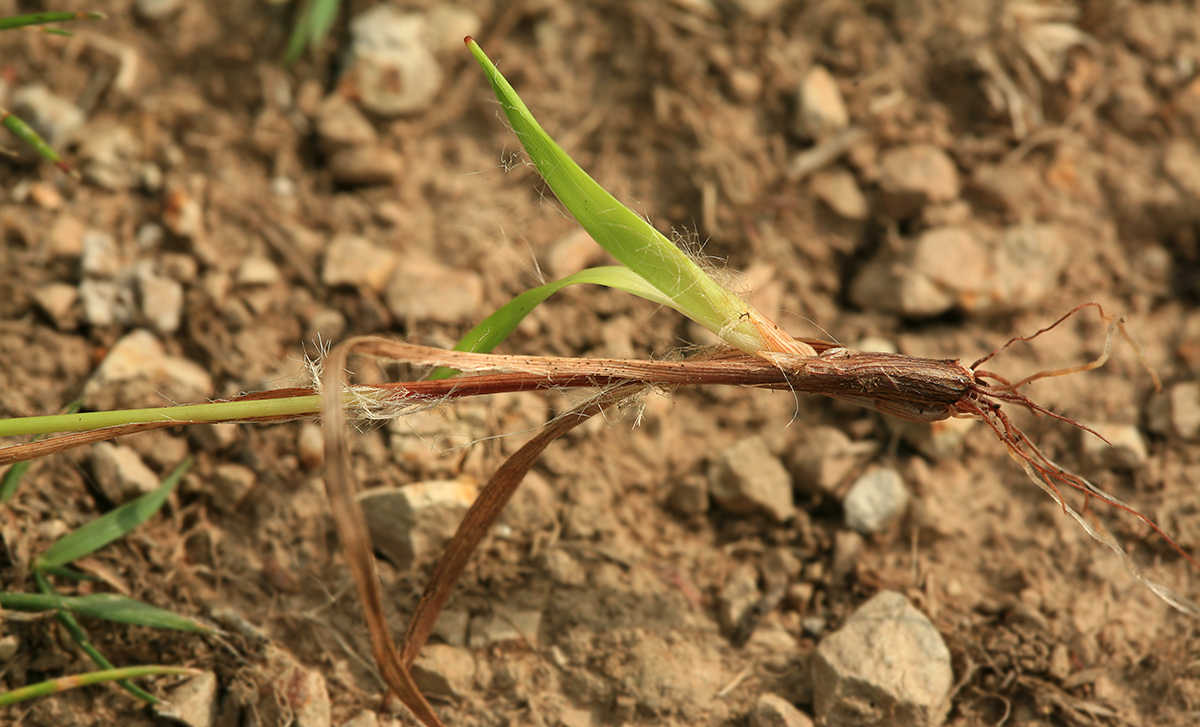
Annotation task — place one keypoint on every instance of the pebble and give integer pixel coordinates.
(1184, 408)
(838, 190)
(355, 260)
(156, 9)
(758, 9)
(389, 68)
(108, 158)
(746, 478)
(1026, 267)
(230, 484)
(936, 440)
(822, 459)
(138, 372)
(120, 473)
(101, 304)
(9, 645)
(340, 125)
(65, 239)
(448, 25)
(57, 301)
(365, 166)
(573, 253)
(739, 593)
(911, 177)
(54, 117)
(1128, 450)
(504, 626)
(161, 301)
(444, 672)
(424, 290)
(411, 525)
(886, 665)
(875, 501)
(257, 270)
(310, 445)
(821, 111)
(192, 703)
(689, 496)
(100, 258)
(213, 436)
(365, 718)
(772, 710)
(309, 700)
(326, 324)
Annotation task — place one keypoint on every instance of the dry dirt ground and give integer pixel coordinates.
(1082, 119)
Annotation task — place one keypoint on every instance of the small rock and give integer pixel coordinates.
(365, 165)
(389, 68)
(505, 626)
(161, 301)
(1026, 266)
(9, 644)
(100, 258)
(747, 478)
(309, 700)
(257, 270)
(1128, 450)
(886, 665)
(340, 125)
(156, 9)
(1131, 106)
(355, 260)
(326, 324)
(822, 459)
(54, 117)
(100, 302)
(213, 436)
(875, 500)
(739, 593)
(573, 253)
(1184, 407)
(65, 239)
(365, 718)
(108, 157)
(813, 626)
(847, 546)
(821, 111)
(911, 177)
(149, 236)
(563, 568)
(936, 440)
(310, 446)
(773, 710)
(231, 484)
(138, 372)
(120, 473)
(689, 496)
(448, 25)
(411, 525)
(57, 301)
(193, 703)
(444, 672)
(758, 9)
(837, 189)
(451, 627)
(424, 290)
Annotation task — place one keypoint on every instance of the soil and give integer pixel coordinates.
(685, 110)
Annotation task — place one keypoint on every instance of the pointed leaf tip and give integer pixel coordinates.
(468, 40)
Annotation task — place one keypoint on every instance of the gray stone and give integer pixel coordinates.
(911, 177)
(9, 645)
(161, 301)
(936, 440)
(108, 157)
(257, 270)
(192, 703)
(1027, 263)
(837, 189)
(424, 290)
(389, 65)
(100, 257)
(365, 166)
(739, 593)
(444, 672)
(748, 478)
(411, 525)
(505, 626)
(55, 118)
(821, 111)
(1128, 450)
(100, 301)
(355, 260)
(875, 501)
(886, 665)
(120, 473)
(772, 710)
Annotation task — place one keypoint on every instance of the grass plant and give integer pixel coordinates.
(757, 353)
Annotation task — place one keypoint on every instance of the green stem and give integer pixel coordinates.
(82, 680)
